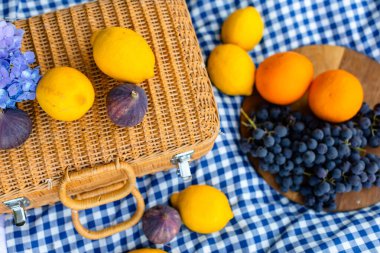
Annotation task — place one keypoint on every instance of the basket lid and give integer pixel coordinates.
(181, 107)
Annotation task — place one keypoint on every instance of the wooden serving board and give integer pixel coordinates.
(325, 57)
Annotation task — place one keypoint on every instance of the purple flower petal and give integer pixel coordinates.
(9, 30)
(29, 57)
(3, 96)
(13, 89)
(11, 103)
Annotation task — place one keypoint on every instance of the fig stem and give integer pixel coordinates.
(134, 94)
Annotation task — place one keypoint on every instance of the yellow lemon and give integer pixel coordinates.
(244, 28)
(204, 209)
(65, 93)
(123, 54)
(147, 251)
(231, 69)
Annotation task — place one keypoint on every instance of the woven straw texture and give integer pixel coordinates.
(181, 115)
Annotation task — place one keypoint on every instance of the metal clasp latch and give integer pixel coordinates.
(18, 206)
(182, 161)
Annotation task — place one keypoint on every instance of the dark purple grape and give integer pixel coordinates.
(364, 142)
(332, 153)
(354, 180)
(358, 187)
(345, 166)
(372, 167)
(365, 122)
(374, 141)
(298, 170)
(340, 187)
(269, 141)
(322, 148)
(269, 158)
(298, 160)
(261, 152)
(298, 179)
(287, 182)
(346, 133)
(268, 125)
(326, 130)
(364, 109)
(356, 141)
(343, 150)
(348, 187)
(285, 142)
(322, 189)
(313, 181)
(245, 146)
(309, 157)
(317, 134)
(289, 165)
(287, 153)
(298, 127)
(274, 168)
(330, 165)
(367, 184)
(275, 113)
(364, 177)
(329, 141)
(335, 132)
(262, 114)
(320, 159)
(301, 147)
(280, 159)
(277, 149)
(355, 156)
(371, 178)
(320, 172)
(336, 174)
(280, 131)
(263, 165)
(312, 143)
(358, 167)
(258, 133)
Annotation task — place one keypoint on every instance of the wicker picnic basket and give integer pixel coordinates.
(91, 161)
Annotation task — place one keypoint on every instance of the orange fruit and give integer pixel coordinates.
(283, 78)
(335, 96)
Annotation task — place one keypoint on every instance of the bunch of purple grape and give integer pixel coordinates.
(313, 157)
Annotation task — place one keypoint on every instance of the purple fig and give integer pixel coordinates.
(161, 224)
(127, 105)
(15, 128)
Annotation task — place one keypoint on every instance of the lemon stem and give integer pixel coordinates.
(248, 118)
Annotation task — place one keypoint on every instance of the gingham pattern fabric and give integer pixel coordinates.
(264, 220)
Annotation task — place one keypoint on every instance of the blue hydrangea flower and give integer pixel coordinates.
(18, 81)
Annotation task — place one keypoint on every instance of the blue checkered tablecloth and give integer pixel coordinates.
(264, 220)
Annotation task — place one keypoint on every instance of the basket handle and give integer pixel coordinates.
(98, 234)
(105, 196)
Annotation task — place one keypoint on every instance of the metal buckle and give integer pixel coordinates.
(182, 161)
(18, 206)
